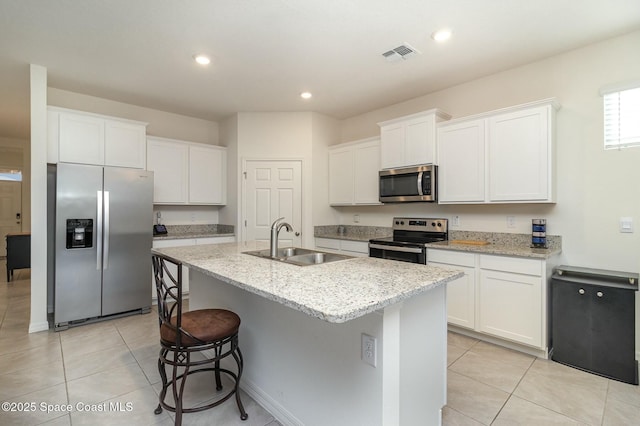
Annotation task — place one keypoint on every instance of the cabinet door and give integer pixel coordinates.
(207, 175)
(519, 152)
(461, 162)
(366, 168)
(341, 175)
(510, 306)
(571, 324)
(613, 332)
(392, 150)
(125, 144)
(461, 296)
(169, 162)
(81, 139)
(420, 141)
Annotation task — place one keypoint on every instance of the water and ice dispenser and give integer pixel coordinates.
(79, 233)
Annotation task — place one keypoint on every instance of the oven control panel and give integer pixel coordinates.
(420, 224)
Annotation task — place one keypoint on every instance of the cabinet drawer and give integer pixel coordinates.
(329, 243)
(355, 246)
(511, 264)
(451, 257)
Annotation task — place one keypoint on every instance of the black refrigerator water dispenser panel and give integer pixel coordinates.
(79, 233)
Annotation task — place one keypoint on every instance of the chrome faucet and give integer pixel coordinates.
(276, 226)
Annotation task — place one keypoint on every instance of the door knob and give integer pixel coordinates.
(297, 234)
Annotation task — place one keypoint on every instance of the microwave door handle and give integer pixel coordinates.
(420, 183)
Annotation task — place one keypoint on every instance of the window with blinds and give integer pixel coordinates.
(622, 118)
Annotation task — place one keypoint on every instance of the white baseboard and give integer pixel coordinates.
(34, 327)
(268, 403)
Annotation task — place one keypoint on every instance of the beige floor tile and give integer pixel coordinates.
(451, 417)
(566, 390)
(492, 365)
(149, 366)
(106, 359)
(624, 392)
(106, 385)
(199, 388)
(17, 341)
(477, 400)
(133, 408)
(520, 412)
(59, 421)
(138, 327)
(45, 354)
(145, 347)
(619, 413)
(93, 340)
(460, 340)
(46, 402)
(454, 353)
(28, 380)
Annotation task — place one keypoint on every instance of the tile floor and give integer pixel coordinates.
(115, 361)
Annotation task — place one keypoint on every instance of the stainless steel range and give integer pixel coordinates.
(410, 238)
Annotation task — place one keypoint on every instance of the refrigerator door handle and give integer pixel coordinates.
(99, 232)
(105, 263)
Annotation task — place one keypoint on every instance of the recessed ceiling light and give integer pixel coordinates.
(441, 35)
(306, 95)
(202, 59)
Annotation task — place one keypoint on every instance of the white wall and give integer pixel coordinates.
(16, 153)
(595, 187)
(278, 136)
(162, 124)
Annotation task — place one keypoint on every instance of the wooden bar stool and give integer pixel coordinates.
(211, 332)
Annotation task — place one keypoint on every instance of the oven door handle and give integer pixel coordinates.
(396, 248)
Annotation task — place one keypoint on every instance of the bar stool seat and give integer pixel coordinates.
(212, 333)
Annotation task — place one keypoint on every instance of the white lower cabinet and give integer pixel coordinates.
(181, 243)
(498, 296)
(461, 309)
(348, 247)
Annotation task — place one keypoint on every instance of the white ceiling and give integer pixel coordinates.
(265, 52)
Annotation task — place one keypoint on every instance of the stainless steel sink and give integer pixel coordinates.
(299, 256)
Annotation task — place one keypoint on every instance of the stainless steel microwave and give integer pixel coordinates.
(409, 184)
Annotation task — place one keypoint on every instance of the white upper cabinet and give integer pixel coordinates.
(504, 156)
(85, 138)
(187, 173)
(169, 161)
(207, 174)
(410, 140)
(353, 172)
(461, 162)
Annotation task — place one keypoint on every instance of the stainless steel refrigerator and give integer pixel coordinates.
(103, 236)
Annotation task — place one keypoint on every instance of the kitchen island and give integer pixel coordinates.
(302, 328)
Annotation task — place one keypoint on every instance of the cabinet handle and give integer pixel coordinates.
(581, 291)
(600, 294)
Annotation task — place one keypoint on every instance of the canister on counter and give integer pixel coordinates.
(539, 233)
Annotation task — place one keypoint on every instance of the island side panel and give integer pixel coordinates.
(303, 370)
(423, 358)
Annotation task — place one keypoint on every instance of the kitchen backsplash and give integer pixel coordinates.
(354, 231)
(199, 229)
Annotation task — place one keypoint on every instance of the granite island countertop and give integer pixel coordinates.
(335, 292)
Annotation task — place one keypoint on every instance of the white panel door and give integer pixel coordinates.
(272, 189)
(10, 211)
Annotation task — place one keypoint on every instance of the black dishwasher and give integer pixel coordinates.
(593, 321)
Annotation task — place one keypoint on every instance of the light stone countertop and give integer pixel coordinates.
(180, 232)
(335, 292)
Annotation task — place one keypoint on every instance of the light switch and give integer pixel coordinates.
(626, 224)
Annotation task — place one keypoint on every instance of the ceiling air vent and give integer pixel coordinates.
(404, 51)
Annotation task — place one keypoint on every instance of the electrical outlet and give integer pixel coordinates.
(369, 350)
(456, 221)
(626, 225)
(356, 218)
(511, 221)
